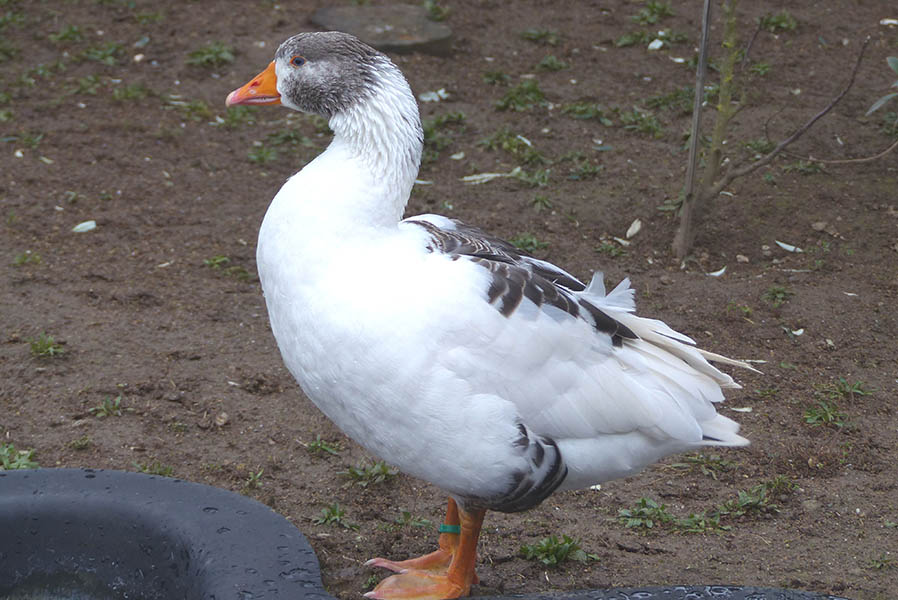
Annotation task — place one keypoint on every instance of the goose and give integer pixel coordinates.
(496, 376)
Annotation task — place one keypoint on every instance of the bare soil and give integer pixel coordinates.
(146, 309)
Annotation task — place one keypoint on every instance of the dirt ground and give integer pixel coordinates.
(159, 306)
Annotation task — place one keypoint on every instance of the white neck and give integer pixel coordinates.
(367, 172)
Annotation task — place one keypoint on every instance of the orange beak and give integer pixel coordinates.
(262, 89)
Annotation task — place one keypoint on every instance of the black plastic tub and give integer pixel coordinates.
(107, 535)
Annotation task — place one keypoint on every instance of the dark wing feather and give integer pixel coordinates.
(517, 275)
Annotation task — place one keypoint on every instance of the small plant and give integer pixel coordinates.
(546, 37)
(777, 295)
(754, 501)
(154, 468)
(405, 518)
(262, 155)
(528, 242)
(680, 99)
(131, 92)
(551, 63)
(523, 96)
(850, 390)
(236, 116)
(825, 413)
(72, 33)
(882, 562)
(552, 552)
(435, 139)
(892, 61)
(365, 475)
(216, 262)
(804, 167)
(760, 146)
(213, 54)
(708, 464)
(106, 54)
(44, 346)
(743, 309)
(110, 407)
(27, 258)
(642, 121)
(583, 170)
(86, 85)
(634, 38)
(334, 514)
(775, 23)
(760, 69)
(12, 459)
(254, 481)
(318, 446)
(653, 12)
(645, 515)
(496, 78)
(82, 443)
(587, 110)
(610, 249)
(514, 144)
(436, 11)
(541, 203)
(193, 110)
(7, 51)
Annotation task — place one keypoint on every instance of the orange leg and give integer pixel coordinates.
(427, 577)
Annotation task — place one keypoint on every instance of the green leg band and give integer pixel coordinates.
(450, 528)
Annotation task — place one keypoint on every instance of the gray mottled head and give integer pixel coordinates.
(326, 72)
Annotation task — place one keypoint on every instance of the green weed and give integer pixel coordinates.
(366, 475)
(254, 481)
(680, 99)
(405, 518)
(642, 121)
(825, 413)
(436, 11)
(551, 63)
(12, 459)
(523, 96)
(546, 37)
(213, 54)
(652, 12)
(44, 346)
(131, 92)
(216, 262)
(496, 78)
(7, 51)
(27, 258)
(514, 144)
(537, 178)
(551, 551)
(760, 146)
(334, 514)
(435, 138)
(709, 465)
(760, 69)
(262, 155)
(317, 446)
(72, 33)
(110, 407)
(236, 116)
(587, 110)
(154, 468)
(82, 443)
(107, 54)
(777, 295)
(645, 515)
(610, 249)
(541, 203)
(528, 242)
(850, 390)
(804, 167)
(775, 23)
(86, 85)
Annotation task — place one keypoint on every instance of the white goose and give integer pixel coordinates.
(451, 354)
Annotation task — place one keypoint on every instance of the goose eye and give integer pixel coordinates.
(297, 61)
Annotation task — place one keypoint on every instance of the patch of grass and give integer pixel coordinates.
(610, 249)
(680, 99)
(107, 54)
(582, 170)
(709, 465)
(216, 262)
(496, 78)
(777, 295)
(213, 54)
(642, 121)
(514, 144)
(44, 346)
(317, 446)
(587, 110)
(154, 468)
(760, 146)
(88, 84)
(541, 203)
(131, 92)
(528, 242)
(760, 68)
(26, 258)
(633, 38)
(366, 475)
(825, 413)
(254, 481)
(521, 97)
(82, 443)
(551, 551)
(71, 33)
(537, 178)
(890, 124)
(193, 110)
(551, 63)
(645, 515)
(775, 23)
(436, 11)
(109, 407)
(235, 116)
(334, 514)
(652, 12)
(262, 155)
(743, 309)
(405, 518)
(149, 18)
(804, 167)
(755, 501)
(882, 562)
(545, 37)
(435, 137)
(12, 459)
(850, 390)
